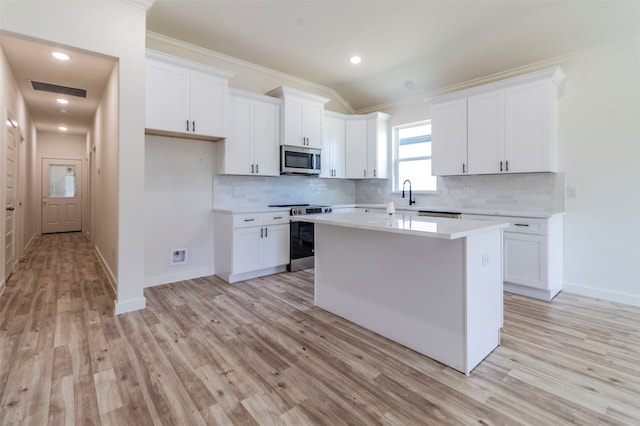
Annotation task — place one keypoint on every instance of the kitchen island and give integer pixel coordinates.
(431, 284)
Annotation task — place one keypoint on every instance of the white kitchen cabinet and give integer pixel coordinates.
(252, 147)
(301, 117)
(503, 127)
(250, 245)
(532, 254)
(367, 145)
(333, 146)
(449, 137)
(185, 99)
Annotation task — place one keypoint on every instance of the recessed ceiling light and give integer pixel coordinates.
(355, 60)
(62, 128)
(60, 56)
(62, 101)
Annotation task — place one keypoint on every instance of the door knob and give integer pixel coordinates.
(10, 208)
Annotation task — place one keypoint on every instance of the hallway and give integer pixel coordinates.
(258, 352)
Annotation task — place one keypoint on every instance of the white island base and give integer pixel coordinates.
(440, 297)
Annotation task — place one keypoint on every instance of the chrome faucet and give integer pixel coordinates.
(411, 200)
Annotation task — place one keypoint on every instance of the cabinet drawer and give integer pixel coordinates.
(521, 225)
(275, 218)
(247, 220)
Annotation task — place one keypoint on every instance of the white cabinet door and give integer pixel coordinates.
(530, 130)
(266, 137)
(312, 115)
(449, 137)
(486, 133)
(525, 259)
(275, 246)
(208, 104)
(167, 97)
(239, 145)
(356, 148)
(246, 250)
(293, 122)
(377, 147)
(333, 147)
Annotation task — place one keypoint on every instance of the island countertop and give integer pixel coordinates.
(444, 228)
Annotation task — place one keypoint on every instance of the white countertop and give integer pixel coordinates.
(463, 210)
(449, 229)
(245, 210)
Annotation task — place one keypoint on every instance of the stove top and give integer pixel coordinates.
(299, 211)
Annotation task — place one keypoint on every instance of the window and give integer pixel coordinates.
(412, 156)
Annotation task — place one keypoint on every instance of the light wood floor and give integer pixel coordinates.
(258, 352)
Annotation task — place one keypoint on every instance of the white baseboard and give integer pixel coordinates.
(110, 275)
(154, 280)
(129, 305)
(2, 287)
(598, 293)
(31, 240)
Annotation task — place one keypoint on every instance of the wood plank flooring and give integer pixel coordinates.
(258, 352)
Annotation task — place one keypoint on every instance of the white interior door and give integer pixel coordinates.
(10, 200)
(61, 195)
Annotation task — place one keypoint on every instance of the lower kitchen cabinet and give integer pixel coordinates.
(532, 255)
(250, 245)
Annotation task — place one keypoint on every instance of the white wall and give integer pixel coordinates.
(178, 208)
(599, 134)
(115, 29)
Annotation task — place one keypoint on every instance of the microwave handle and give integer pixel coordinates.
(313, 161)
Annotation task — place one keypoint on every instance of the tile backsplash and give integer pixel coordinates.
(532, 192)
(527, 192)
(259, 191)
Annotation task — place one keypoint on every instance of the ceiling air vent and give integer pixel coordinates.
(62, 90)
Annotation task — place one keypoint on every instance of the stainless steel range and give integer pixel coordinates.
(301, 238)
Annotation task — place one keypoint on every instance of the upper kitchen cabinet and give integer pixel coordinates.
(333, 146)
(367, 145)
(503, 127)
(301, 117)
(253, 144)
(185, 99)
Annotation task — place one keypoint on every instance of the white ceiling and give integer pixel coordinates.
(409, 48)
(31, 60)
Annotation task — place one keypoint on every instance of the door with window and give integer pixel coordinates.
(61, 195)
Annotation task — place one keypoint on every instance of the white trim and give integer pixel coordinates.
(183, 45)
(186, 63)
(129, 305)
(142, 4)
(154, 280)
(107, 270)
(604, 294)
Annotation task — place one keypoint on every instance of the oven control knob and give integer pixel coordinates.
(329, 210)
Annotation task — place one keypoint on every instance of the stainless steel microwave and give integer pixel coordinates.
(299, 160)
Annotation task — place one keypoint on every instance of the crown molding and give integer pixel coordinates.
(555, 61)
(179, 44)
(142, 4)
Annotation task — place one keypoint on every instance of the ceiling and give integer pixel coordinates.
(409, 48)
(31, 60)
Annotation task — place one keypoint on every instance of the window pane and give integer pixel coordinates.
(62, 181)
(419, 173)
(414, 150)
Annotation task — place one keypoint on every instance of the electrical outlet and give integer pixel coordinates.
(571, 192)
(236, 191)
(485, 259)
(200, 160)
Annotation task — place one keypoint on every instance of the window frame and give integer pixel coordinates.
(396, 189)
